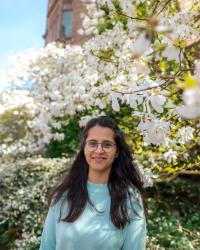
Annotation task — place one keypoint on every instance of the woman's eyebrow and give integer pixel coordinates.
(108, 141)
(101, 141)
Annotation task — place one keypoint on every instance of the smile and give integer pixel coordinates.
(99, 158)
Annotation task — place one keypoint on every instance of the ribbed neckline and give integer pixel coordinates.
(94, 187)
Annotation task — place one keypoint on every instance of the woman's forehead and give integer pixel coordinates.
(100, 133)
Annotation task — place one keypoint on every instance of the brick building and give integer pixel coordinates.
(63, 21)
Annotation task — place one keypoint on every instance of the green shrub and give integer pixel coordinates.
(174, 215)
(23, 205)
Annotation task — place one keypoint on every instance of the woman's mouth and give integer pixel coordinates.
(99, 159)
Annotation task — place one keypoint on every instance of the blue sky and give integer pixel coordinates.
(22, 25)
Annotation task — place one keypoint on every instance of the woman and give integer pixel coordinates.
(98, 205)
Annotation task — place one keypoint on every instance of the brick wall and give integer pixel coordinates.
(54, 26)
(78, 8)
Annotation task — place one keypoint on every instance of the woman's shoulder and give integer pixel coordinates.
(135, 202)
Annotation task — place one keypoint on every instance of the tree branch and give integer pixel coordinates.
(196, 42)
(155, 7)
(166, 3)
(175, 175)
(134, 18)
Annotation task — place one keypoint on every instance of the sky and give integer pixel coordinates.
(22, 25)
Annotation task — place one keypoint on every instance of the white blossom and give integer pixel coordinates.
(145, 175)
(157, 102)
(115, 103)
(170, 156)
(141, 45)
(58, 136)
(185, 135)
(154, 131)
(110, 5)
(191, 109)
(172, 53)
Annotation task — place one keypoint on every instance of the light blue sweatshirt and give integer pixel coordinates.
(92, 230)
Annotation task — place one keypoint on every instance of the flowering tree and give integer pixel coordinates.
(141, 64)
(148, 59)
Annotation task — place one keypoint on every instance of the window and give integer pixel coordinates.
(67, 23)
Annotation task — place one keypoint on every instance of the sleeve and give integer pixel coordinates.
(48, 238)
(136, 232)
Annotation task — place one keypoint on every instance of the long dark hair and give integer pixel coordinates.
(123, 176)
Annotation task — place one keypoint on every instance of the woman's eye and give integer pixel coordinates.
(92, 144)
(107, 144)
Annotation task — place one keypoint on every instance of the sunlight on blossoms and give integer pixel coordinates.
(185, 4)
(185, 134)
(170, 156)
(154, 131)
(16, 98)
(191, 98)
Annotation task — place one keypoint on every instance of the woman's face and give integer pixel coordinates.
(100, 149)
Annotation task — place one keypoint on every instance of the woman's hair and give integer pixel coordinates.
(123, 177)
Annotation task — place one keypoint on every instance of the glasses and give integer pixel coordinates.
(106, 146)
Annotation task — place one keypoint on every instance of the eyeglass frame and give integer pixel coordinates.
(97, 144)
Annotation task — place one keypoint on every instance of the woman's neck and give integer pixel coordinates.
(98, 178)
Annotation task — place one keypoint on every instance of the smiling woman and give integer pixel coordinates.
(98, 205)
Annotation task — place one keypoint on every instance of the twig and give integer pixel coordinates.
(193, 44)
(140, 90)
(167, 2)
(188, 61)
(134, 18)
(169, 81)
(155, 7)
